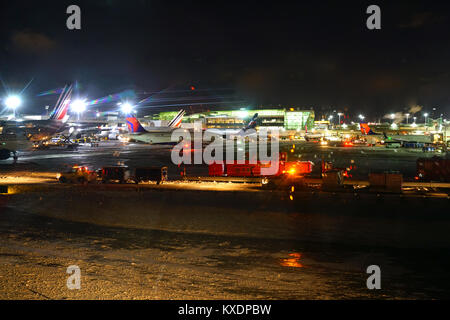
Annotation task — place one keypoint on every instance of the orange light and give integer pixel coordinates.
(293, 261)
(348, 144)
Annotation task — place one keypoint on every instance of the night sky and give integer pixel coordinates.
(292, 53)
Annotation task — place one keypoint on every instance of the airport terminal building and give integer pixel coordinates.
(281, 118)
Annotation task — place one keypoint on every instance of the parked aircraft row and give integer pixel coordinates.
(21, 135)
(375, 138)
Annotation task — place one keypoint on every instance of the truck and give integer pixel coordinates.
(289, 172)
(77, 174)
(157, 174)
(119, 174)
(254, 169)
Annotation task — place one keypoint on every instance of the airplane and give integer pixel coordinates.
(156, 135)
(11, 142)
(374, 138)
(244, 132)
(173, 124)
(41, 130)
(312, 136)
(17, 135)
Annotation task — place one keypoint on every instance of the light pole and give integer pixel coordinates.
(340, 115)
(79, 106)
(330, 118)
(13, 102)
(425, 115)
(407, 117)
(393, 117)
(126, 108)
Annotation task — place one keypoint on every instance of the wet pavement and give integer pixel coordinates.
(252, 253)
(150, 264)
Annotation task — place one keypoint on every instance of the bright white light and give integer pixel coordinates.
(126, 107)
(414, 125)
(393, 116)
(344, 126)
(394, 126)
(425, 115)
(361, 117)
(242, 113)
(330, 117)
(79, 106)
(12, 102)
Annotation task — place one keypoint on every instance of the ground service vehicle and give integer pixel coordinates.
(157, 174)
(77, 174)
(289, 172)
(249, 169)
(120, 174)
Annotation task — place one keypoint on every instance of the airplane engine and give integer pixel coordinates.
(5, 154)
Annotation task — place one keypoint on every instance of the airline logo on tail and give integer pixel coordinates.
(365, 129)
(134, 126)
(252, 123)
(62, 105)
(176, 122)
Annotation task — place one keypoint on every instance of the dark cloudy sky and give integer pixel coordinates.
(302, 53)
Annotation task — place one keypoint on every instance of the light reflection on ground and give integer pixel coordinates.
(293, 261)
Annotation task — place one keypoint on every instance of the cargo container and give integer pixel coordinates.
(157, 174)
(433, 169)
(386, 182)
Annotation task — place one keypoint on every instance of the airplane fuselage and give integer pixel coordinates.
(377, 138)
(152, 137)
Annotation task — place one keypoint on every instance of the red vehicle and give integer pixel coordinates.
(247, 169)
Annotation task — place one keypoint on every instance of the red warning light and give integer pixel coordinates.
(192, 88)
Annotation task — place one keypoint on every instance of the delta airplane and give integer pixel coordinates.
(156, 135)
(374, 138)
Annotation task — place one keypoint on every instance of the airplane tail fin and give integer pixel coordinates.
(365, 129)
(133, 124)
(62, 105)
(252, 123)
(176, 122)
